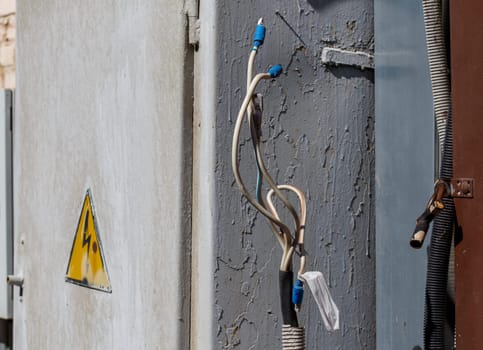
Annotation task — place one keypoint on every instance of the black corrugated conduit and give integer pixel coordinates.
(441, 205)
(438, 258)
(438, 64)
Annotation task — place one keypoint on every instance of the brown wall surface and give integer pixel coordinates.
(467, 89)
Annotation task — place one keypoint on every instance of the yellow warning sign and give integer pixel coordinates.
(87, 266)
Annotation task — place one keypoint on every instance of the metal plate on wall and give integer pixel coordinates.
(467, 84)
(404, 169)
(103, 106)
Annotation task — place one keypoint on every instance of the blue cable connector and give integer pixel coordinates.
(298, 292)
(275, 71)
(259, 36)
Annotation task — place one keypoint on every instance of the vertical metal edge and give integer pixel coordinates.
(204, 138)
(6, 102)
(10, 181)
(185, 262)
(404, 152)
(3, 207)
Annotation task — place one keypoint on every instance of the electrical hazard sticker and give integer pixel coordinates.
(87, 266)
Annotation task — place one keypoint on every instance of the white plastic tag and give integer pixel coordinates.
(328, 310)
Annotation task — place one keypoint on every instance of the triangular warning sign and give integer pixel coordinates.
(87, 266)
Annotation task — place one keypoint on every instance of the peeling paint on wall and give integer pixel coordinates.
(7, 44)
(318, 133)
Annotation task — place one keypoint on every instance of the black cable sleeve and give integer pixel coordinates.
(285, 280)
(435, 311)
(422, 226)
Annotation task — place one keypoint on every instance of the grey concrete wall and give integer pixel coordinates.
(101, 105)
(319, 135)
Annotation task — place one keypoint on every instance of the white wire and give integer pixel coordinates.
(275, 189)
(235, 153)
(284, 235)
(286, 241)
(250, 111)
(263, 169)
(299, 236)
(293, 338)
(251, 60)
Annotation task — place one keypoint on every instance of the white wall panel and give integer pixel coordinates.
(101, 106)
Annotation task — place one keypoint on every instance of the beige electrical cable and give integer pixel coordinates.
(292, 337)
(299, 235)
(275, 188)
(235, 155)
(250, 112)
(284, 236)
(263, 169)
(251, 60)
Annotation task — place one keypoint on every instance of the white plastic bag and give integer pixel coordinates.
(328, 310)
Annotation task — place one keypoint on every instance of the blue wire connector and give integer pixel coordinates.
(298, 293)
(275, 71)
(259, 35)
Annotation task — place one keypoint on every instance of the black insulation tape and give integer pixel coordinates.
(285, 280)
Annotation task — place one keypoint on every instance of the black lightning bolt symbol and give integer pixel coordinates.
(86, 239)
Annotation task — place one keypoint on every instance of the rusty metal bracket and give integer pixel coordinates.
(462, 187)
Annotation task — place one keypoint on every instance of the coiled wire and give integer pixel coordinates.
(293, 338)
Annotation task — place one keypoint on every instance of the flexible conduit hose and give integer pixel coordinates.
(438, 65)
(438, 259)
(443, 226)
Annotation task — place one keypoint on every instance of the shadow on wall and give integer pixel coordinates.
(320, 4)
(351, 72)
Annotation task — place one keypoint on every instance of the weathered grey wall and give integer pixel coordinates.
(319, 135)
(101, 105)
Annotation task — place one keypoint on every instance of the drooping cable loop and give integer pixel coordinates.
(290, 240)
